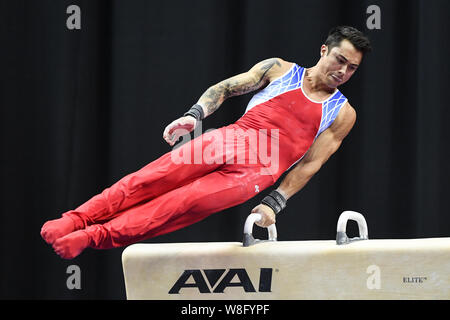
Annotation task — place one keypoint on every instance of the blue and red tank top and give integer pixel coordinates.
(284, 108)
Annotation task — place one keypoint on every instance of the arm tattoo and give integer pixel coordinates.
(237, 85)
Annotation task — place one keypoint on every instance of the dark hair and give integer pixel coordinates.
(356, 37)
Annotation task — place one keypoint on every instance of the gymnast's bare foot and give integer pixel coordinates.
(55, 229)
(71, 245)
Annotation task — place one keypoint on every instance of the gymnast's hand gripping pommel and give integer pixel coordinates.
(270, 206)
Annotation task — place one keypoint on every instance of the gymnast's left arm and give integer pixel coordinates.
(256, 78)
(321, 150)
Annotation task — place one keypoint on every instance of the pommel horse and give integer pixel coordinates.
(345, 268)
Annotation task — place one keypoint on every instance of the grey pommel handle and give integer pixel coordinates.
(341, 235)
(249, 240)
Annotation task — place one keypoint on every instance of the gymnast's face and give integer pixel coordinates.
(339, 64)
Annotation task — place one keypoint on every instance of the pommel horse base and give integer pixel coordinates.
(356, 268)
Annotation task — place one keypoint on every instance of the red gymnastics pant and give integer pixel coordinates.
(167, 195)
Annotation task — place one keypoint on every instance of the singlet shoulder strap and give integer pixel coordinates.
(330, 110)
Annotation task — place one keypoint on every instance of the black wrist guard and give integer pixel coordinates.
(275, 201)
(196, 111)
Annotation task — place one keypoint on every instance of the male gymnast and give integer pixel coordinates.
(300, 110)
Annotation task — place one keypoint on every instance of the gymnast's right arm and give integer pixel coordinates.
(257, 77)
(320, 151)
